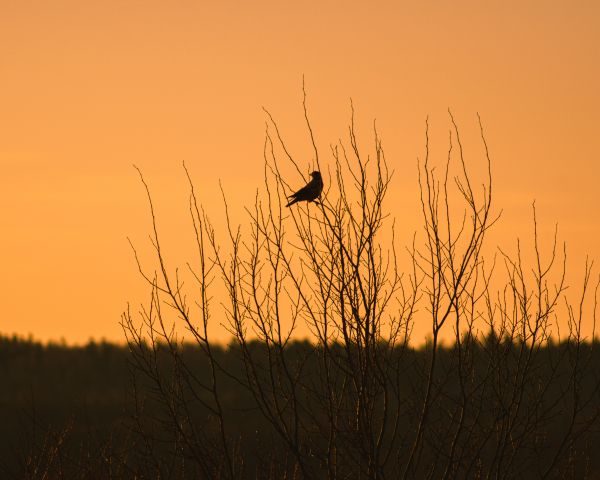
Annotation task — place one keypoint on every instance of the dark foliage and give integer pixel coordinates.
(70, 412)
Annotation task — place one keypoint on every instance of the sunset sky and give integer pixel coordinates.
(90, 88)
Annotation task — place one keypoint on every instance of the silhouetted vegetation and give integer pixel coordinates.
(70, 412)
(510, 396)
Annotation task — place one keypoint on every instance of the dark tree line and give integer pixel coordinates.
(72, 413)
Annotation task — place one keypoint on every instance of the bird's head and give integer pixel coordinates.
(315, 174)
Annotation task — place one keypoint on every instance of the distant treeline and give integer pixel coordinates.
(86, 412)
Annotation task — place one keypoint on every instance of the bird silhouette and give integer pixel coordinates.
(310, 192)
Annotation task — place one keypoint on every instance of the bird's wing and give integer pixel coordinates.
(303, 190)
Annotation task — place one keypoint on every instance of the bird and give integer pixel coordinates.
(310, 192)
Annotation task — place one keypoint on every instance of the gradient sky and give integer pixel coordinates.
(89, 88)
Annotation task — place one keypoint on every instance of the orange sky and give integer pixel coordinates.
(88, 88)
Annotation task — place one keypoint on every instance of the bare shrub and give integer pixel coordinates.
(360, 400)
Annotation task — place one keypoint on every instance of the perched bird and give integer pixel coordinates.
(310, 192)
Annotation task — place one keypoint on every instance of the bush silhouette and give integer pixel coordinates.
(359, 399)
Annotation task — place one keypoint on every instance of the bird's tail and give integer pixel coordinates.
(291, 202)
